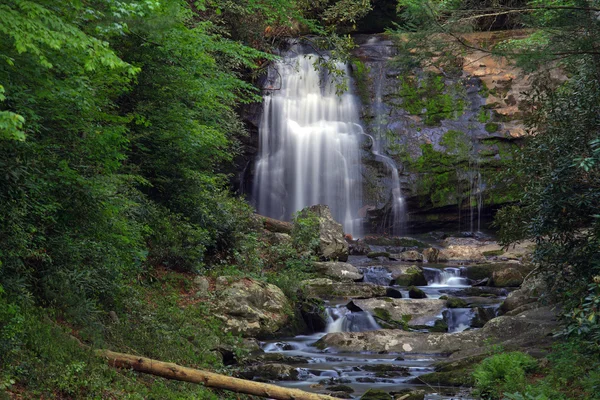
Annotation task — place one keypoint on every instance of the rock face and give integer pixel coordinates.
(411, 255)
(530, 291)
(416, 311)
(461, 253)
(509, 277)
(249, 307)
(328, 289)
(339, 271)
(431, 255)
(332, 244)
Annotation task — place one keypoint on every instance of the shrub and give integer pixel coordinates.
(502, 373)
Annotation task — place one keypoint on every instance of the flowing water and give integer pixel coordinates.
(309, 145)
(361, 370)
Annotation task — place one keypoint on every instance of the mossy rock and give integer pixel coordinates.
(455, 302)
(341, 388)
(375, 254)
(376, 394)
(413, 276)
(416, 293)
(386, 370)
(394, 241)
(493, 253)
(439, 326)
(492, 127)
(459, 378)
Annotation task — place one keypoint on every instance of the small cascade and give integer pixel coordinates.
(343, 320)
(377, 275)
(459, 319)
(450, 276)
(309, 144)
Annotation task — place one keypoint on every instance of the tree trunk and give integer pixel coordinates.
(275, 225)
(208, 379)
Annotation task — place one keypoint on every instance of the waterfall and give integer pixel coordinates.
(309, 145)
(447, 277)
(343, 320)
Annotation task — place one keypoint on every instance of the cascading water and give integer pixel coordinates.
(447, 277)
(343, 320)
(309, 145)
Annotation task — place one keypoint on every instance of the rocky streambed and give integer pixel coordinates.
(398, 319)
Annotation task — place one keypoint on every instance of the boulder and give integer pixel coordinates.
(416, 293)
(270, 372)
(410, 255)
(313, 313)
(339, 271)
(332, 243)
(279, 238)
(509, 277)
(328, 289)
(416, 312)
(358, 248)
(431, 255)
(530, 291)
(458, 254)
(393, 293)
(408, 276)
(455, 302)
(249, 307)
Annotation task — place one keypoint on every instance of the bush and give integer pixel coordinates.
(502, 373)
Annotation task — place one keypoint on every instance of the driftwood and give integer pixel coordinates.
(275, 225)
(208, 379)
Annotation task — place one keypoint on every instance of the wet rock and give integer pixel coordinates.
(415, 312)
(332, 243)
(358, 248)
(377, 254)
(376, 394)
(480, 291)
(408, 276)
(386, 370)
(277, 358)
(393, 293)
(455, 302)
(341, 388)
(482, 315)
(339, 271)
(431, 255)
(416, 293)
(250, 308)
(270, 372)
(509, 277)
(328, 289)
(481, 282)
(313, 313)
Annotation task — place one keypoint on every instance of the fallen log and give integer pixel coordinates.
(208, 379)
(275, 225)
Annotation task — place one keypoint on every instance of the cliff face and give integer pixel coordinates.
(450, 136)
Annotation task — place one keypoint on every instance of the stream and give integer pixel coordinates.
(392, 372)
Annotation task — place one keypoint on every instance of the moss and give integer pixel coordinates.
(452, 378)
(483, 116)
(492, 127)
(376, 394)
(375, 254)
(341, 388)
(431, 98)
(493, 253)
(382, 313)
(360, 73)
(455, 302)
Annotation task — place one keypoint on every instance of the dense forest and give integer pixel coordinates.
(120, 124)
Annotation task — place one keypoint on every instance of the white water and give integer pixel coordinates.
(309, 146)
(446, 277)
(343, 320)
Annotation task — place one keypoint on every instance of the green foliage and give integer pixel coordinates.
(360, 73)
(492, 127)
(305, 232)
(501, 373)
